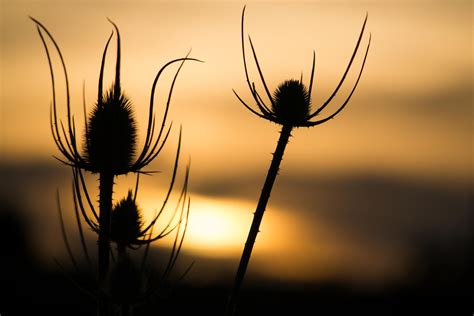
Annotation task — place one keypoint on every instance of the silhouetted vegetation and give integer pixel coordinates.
(290, 106)
(109, 151)
(126, 276)
(442, 287)
(439, 282)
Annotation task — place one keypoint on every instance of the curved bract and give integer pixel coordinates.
(109, 149)
(129, 230)
(110, 130)
(127, 226)
(290, 103)
(290, 106)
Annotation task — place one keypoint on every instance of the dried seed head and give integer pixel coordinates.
(126, 222)
(111, 135)
(291, 103)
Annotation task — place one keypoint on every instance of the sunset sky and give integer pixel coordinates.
(354, 197)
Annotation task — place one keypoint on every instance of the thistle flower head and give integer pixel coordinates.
(126, 222)
(110, 138)
(291, 102)
(110, 130)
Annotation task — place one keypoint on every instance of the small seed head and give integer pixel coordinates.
(126, 222)
(111, 135)
(291, 103)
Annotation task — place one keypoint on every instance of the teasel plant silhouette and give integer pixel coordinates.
(125, 284)
(129, 283)
(290, 107)
(110, 139)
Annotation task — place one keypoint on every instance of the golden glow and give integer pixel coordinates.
(386, 110)
(217, 227)
(411, 114)
(288, 245)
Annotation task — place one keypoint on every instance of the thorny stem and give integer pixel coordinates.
(257, 218)
(106, 182)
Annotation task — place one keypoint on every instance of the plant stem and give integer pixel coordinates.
(106, 183)
(257, 218)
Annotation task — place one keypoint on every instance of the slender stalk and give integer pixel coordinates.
(257, 218)
(106, 182)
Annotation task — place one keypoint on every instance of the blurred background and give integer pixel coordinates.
(371, 211)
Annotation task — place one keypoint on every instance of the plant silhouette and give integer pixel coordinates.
(128, 283)
(290, 106)
(109, 149)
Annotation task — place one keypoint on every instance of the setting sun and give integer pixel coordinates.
(370, 211)
(217, 227)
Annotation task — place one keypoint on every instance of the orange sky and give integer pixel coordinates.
(412, 101)
(411, 116)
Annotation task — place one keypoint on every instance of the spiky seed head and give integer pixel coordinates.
(111, 135)
(125, 283)
(126, 222)
(291, 102)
